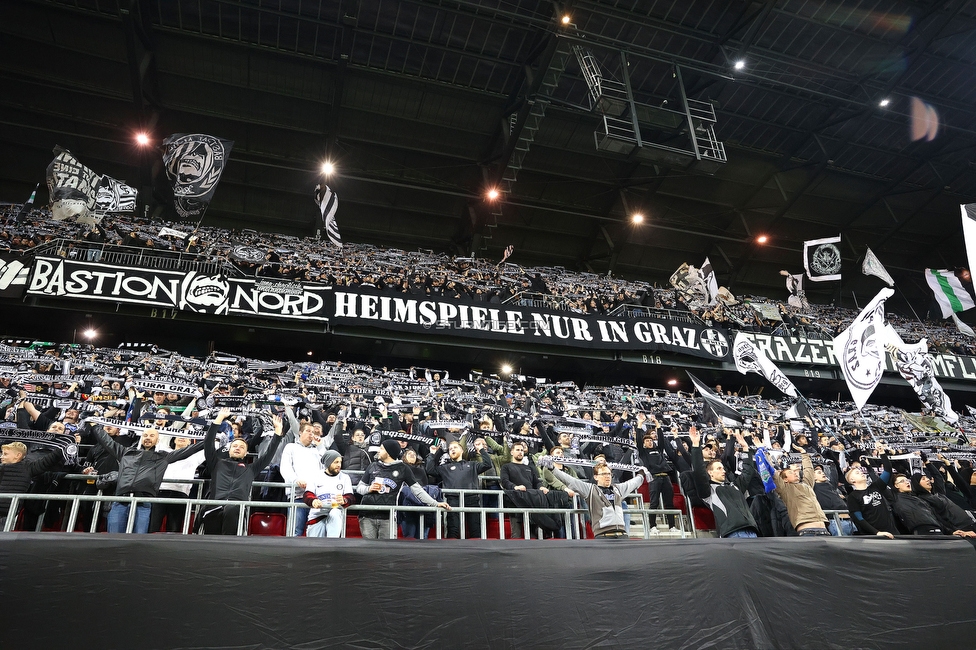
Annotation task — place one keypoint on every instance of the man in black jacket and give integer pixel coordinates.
(141, 472)
(733, 518)
(459, 474)
(17, 472)
(231, 477)
(657, 455)
(522, 484)
(916, 515)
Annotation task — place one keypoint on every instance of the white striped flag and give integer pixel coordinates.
(328, 202)
(948, 291)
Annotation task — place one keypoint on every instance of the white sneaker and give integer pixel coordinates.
(655, 531)
(674, 530)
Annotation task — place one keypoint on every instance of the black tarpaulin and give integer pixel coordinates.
(159, 591)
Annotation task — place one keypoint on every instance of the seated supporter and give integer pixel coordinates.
(328, 495)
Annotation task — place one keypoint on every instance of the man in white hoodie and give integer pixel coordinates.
(300, 463)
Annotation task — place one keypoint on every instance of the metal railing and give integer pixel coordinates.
(572, 517)
(117, 254)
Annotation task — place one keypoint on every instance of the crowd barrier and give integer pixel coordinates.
(573, 518)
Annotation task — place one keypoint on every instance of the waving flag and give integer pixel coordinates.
(708, 279)
(194, 163)
(860, 349)
(725, 413)
(916, 366)
(821, 259)
(873, 266)
(27, 207)
(749, 358)
(949, 292)
(328, 202)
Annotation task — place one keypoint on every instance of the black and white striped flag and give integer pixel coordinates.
(328, 202)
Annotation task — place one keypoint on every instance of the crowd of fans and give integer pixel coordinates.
(132, 419)
(428, 273)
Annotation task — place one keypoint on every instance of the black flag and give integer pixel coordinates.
(725, 413)
(193, 164)
(26, 210)
(328, 202)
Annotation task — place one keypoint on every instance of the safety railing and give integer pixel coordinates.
(571, 517)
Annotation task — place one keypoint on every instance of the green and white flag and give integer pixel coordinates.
(948, 291)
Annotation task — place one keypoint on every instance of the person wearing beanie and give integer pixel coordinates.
(328, 495)
(380, 485)
(232, 477)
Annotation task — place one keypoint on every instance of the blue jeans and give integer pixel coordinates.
(301, 518)
(748, 534)
(118, 517)
(846, 528)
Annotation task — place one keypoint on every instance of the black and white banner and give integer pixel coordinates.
(821, 259)
(14, 270)
(749, 358)
(71, 186)
(916, 367)
(186, 291)
(63, 442)
(193, 164)
(113, 196)
(389, 310)
(328, 202)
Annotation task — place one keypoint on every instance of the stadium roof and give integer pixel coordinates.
(424, 105)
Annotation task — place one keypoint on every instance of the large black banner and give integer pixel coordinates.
(186, 291)
(356, 306)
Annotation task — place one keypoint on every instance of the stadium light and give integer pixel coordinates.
(884, 102)
(493, 194)
(566, 19)
(142, 139)
(672, 382)
(740, 64)
(506, 369)
(762, 239)
(637, 218)
(90, 333)
(328, 168)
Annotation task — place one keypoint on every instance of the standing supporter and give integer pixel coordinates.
(522, 484)
(603, 500)
(796, 491)
(455, 473)
(231, 477)
(140, 474)
(17, 472)
(300, 461)
(657, 455)
(380, 485)
(830, 498)
(916, 515)
(733, 518)
(174, 513)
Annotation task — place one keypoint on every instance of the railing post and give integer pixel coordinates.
(12, 515)
(132, 515)
(73, 515)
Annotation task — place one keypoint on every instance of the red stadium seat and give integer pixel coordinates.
(270, 524)
(352, 525)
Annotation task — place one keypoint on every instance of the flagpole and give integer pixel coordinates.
(868, 425)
